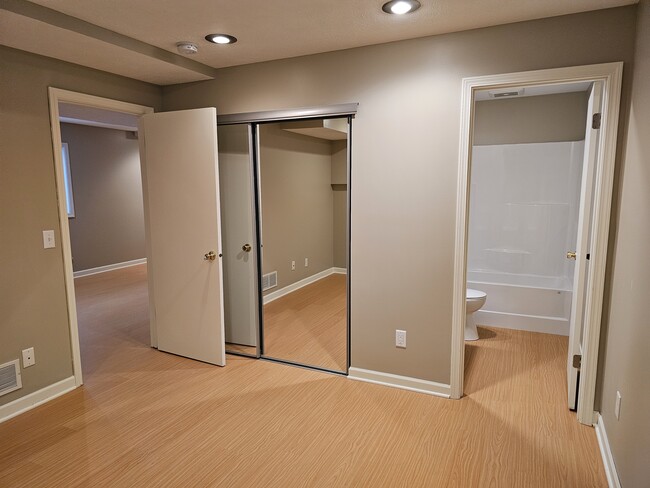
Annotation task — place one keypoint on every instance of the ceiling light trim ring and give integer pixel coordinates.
(221, 39)
(401, 7)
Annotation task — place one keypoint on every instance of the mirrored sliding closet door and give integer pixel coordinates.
(303, 181)
(238, 239)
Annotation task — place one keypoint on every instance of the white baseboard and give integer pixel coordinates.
(302, 283)
(531, 323)
(108, 267)
(37, 398)
(403, 382)
(606, 453)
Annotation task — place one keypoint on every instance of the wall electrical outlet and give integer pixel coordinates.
(306, 262)
(293, 265)
(617, 407)
(400, 338)
(48, 239)
(28, 357)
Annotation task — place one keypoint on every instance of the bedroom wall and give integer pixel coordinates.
(626, 338)
(108, 226)
(405, 158)
(33, 307)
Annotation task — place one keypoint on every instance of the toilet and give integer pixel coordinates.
(474, 300)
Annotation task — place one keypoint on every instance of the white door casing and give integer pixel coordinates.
(179, 160)
(590, 162)
(57, 96)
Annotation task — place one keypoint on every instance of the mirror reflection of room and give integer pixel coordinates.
(303, 171)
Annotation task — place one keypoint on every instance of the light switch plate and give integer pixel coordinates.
(48, 239)
(617, 407)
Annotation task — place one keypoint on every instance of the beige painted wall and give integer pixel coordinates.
(546, 118)
(108, 226)
(405, 158)
(626, 341)
(33, 308)
(297, 204)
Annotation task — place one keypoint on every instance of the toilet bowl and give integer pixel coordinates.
(474, 300)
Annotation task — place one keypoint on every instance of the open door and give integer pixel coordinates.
(178, 152)
(583, 243)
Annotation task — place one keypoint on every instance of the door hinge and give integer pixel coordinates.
(577, 360)
(595, 121)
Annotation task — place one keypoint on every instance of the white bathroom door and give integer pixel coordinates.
(583, 244)
(178, 152)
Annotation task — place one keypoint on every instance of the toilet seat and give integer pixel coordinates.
(474, 294)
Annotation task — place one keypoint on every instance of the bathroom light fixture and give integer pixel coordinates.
(400, 7)
(221, 38)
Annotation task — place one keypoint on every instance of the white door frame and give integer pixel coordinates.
(56, 96)
(611, 75)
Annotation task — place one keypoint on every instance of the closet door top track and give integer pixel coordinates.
(325, 111)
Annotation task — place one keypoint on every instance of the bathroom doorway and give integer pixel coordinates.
(533, 212)
(530, 170)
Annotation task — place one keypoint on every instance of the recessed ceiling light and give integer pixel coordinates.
(221, 38)
(401, 7)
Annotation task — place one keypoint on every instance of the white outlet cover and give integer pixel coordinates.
(400, 338)
(28, 357)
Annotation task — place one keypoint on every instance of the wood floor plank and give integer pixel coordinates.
(149, 419)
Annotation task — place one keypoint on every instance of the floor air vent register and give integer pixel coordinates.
(10, 377)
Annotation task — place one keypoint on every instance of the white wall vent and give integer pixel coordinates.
(506, 93)
(269, 280)
(10, 377)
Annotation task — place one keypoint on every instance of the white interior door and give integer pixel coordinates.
(583, 242)
(239, 247)
(178, 151)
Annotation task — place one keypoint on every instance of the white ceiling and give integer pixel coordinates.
(266, 29)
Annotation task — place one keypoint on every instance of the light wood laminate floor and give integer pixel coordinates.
(149, 419)
(309, 325)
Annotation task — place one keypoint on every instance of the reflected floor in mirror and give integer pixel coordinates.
(309, 325)
(240, 349)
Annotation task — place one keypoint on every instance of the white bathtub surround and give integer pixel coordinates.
(532, 303)
(523, 220)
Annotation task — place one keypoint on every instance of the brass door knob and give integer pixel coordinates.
(246, 248)
(571, 255)
(211, 256)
